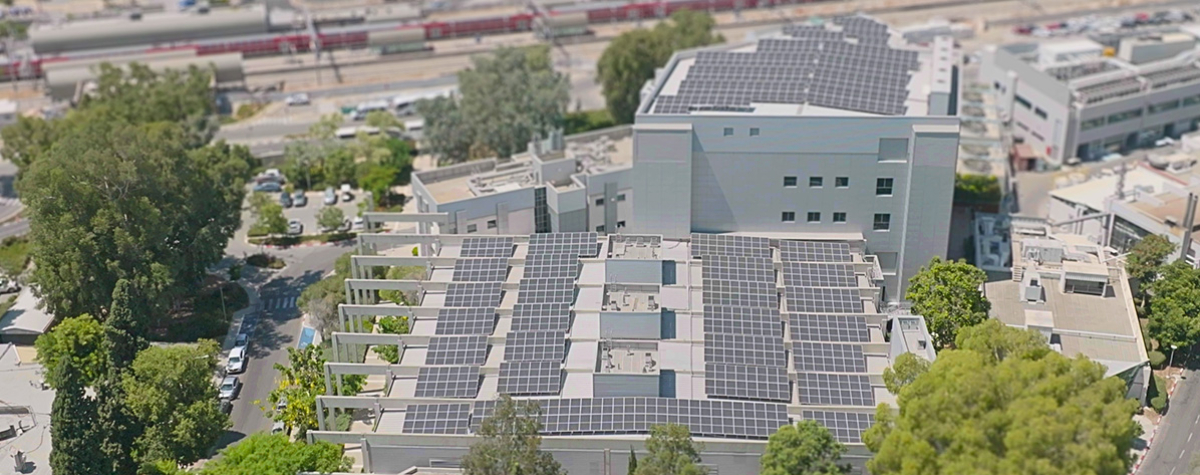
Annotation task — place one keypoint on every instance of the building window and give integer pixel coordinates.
(599, 201)
(883, 222)
(1022, 101)
(491, 224)
(789, 216)
(754, 131)
(789, 181)
(842, 182)
(728, 131)
(620, 224)
(1124, 116)
(472, 228)
(1191, 101)
(1164, 106)
(1091, 124)
(839, 216)
(883, 186)
(814, 216)
(1040, 113)
(600, 228)
(621, 197)
(815, 182)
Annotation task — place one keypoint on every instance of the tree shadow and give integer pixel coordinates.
(230, 437)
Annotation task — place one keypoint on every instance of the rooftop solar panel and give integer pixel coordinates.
(546, 291)
(544, 266)
(729, 245)
(823, 300)
(814, 251)
(810, 274)
(583, 244)
(487, 247)
(832, 328)
(764, 383)
(846, 427)
(829, 357)
(448, 382)
(535, 346)
(740, 294)
(530, 378)
(744, 350)
(823, 389)
(473, 294)
(437, 418)
(635, 415)
(457, 350)
(488, 269)
(753, 269)
(742, 320)
(466, 321)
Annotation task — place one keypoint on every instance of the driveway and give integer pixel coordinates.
(1178, 439)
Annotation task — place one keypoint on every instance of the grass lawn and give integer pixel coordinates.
(7, 303)
(202, 316)
(14, 255)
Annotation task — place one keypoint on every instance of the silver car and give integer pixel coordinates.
(237, 361)
(230, 386)
(295, 227)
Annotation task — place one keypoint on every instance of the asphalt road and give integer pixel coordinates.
(1178, 438)
(277, 329)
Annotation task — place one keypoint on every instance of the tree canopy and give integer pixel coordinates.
(274, 454)
(79, 340)
(903, 371)
(805, 448)
(631, 58)
(506, 99)
(947, 294)
(74, 451)
(672, 452)
(299, 383)
(998, 404)
(508, 442)
(1144, 262)
(1175, 305)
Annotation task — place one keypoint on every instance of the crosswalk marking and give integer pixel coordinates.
(6, 201)
(280, 303)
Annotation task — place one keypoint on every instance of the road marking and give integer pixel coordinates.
(1190, 436)
(1173, 469)
(1181, 452)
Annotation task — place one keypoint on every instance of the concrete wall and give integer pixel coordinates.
(662, 180)
(631, 325)
(633, 271)
(625, 385)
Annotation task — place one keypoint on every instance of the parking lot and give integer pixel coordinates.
(307, 214)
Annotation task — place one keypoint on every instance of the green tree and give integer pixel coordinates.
(73, 449)
(299, 383)
(320, 300)
(125, 327)
(1016, 410)
(265, 454)
(1175, 305)
(1144, 260)
(448, 135)
(905, 369)
(672, 452)
(378, 180)
(976, 190)
(271, 219)
(326, 128)
(171, 393)
(805, 448)
(339, 167)
(79, 340)
(117, 429)
(947, 294)
(631, 58)
(394, 326)
(632, 469)
(508, 441)
(13, 29)
(330, 217)
(402, 273)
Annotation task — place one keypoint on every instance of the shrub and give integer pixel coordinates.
(416, 250)
(265, 260)
(1157, 359)
(1158, 394)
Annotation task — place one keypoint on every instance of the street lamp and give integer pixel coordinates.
(1172, 361)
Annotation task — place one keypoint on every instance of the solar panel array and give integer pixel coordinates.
(473, 294)
(466, 321)
(541, 317)
(535, 346)
(740, 294)
(487, 247)
(448, 381)
(545, 266)
(635, 415)
(729, 245)
(767, 383)
(452, 418)
(550, 290)
(468, 350)
(824, 389)
(736, 268)
(583, 244)
(829, 357)
(814, 251)
(813, 274)
(488, 269)
(530, 378)
(831, 328)
(760, 321)
(815, 66)
(823, 300)
(846, 427)
(744, 349)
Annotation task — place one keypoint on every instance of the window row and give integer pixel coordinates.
(728, 132)
(881, 221)
(600, 201)
(1156, 108)
(883, 186)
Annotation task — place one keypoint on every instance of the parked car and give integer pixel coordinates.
(226, 406)
(278, 427)
(281, 404)
(237, 360)
(299, 199)
(285, 199)
(230, 386)
(268, 187)
(346, 194)
(359, 222)
(330, 196)
(243, 339)
(295, 228)
(9, 286)
(298, 99)
(271, 174)
(1164, 142)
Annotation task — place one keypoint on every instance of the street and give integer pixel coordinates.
(1177, 440)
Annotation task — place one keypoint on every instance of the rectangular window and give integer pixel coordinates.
(1191, 101)
(754, 131)
(883, 186)
(1040, 113)
(883, 222)
(1124, 116)
(621, 197)
(893, 149)
(728, 131)
(491, 224)
(472, 228)
(620, 224)
(600, 228)
(1092, 124)
(815, 181)
(789, 216)
(1022, 101)
(814, 217)
(599, 201)
(842, 182)
(1164, 106)
(789, 181)
(839, 216)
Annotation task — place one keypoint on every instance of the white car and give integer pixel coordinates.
(295, 227)
(9, 286)
(297, 99)
(1164, 142)
(229, 388)
(237, 360)
(359, 222)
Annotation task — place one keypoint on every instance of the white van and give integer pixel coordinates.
(365, 108)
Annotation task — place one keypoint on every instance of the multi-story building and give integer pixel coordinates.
(732, 336)
(838, 132)
(1087, 98)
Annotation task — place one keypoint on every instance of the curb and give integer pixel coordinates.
(1137, 465)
